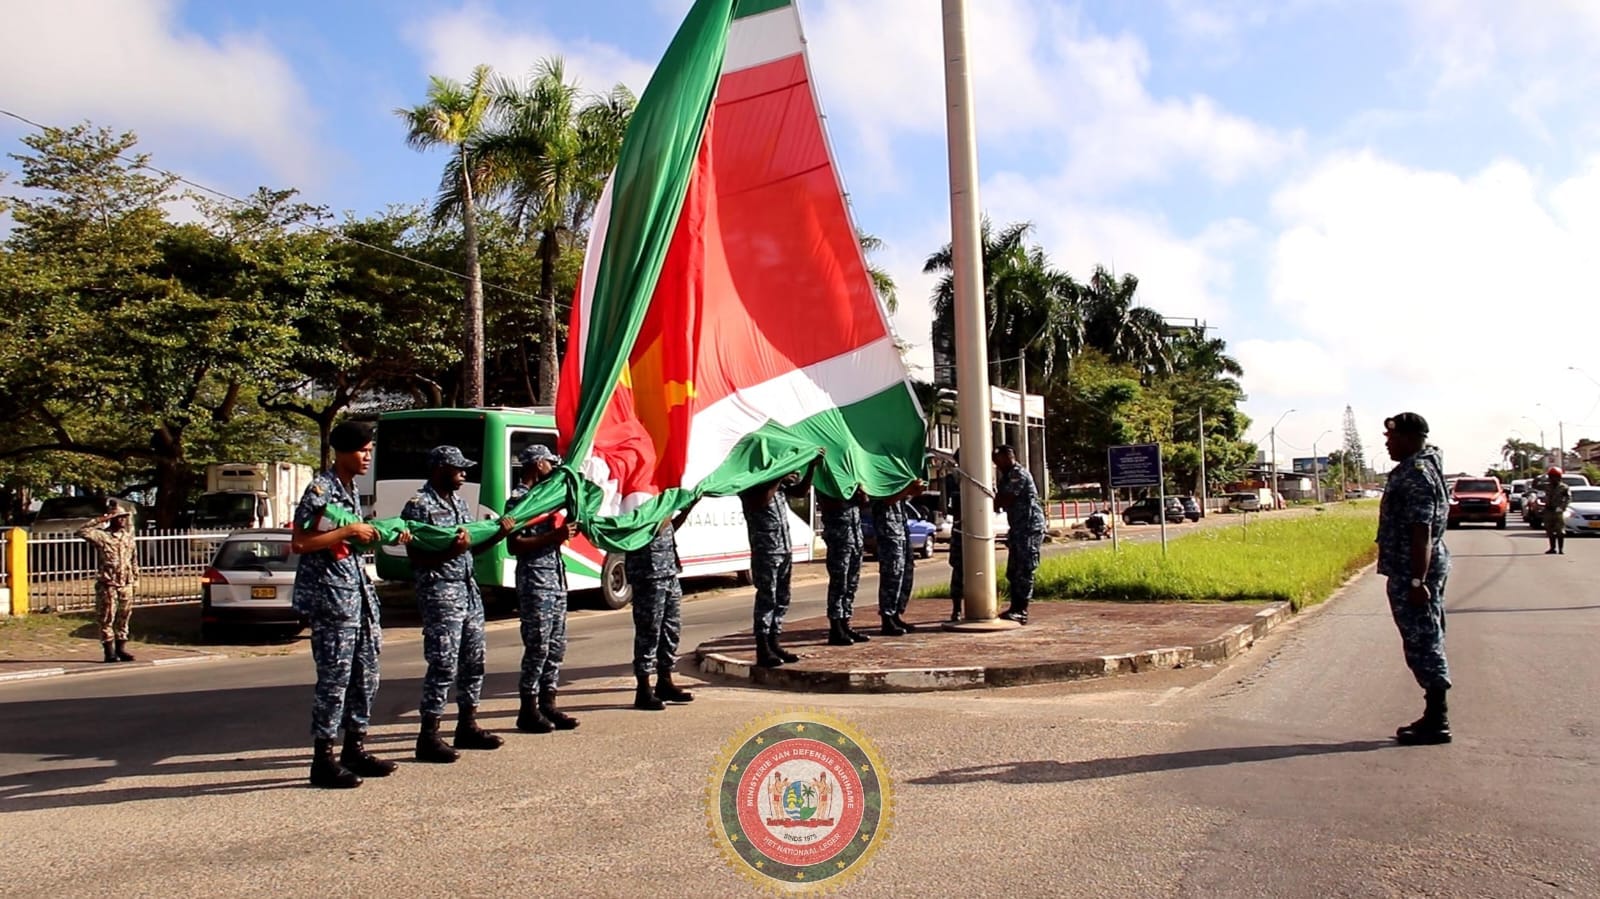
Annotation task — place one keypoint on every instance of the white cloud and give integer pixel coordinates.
(1289, 369)
(131, 65)
(453, 43)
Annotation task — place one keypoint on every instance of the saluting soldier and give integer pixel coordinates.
(115, 579)
(897, 564)
(332, 592)
(841, 531)
(653, 571)
(1557, 499)
(1412, 555)
(452, 609)
(1016, 495)
(766, 517)
(541, 601)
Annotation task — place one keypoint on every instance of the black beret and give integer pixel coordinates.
(1406, 423)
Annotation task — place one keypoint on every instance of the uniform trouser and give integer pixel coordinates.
(346, 653)
(1555, 526)
(1421, 631)
(844, 577)
(657, 623)
(113, 606)
(895, 572)
(452, 643)
(1022, 560)
(544, 637)
(771, 571)
(957, 572)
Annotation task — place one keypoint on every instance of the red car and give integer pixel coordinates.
(1478, 499)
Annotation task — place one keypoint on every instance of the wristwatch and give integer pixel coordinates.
(1416, 582)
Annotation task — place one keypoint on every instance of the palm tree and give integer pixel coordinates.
(454, 116)
(1124, 331)
(882, 282)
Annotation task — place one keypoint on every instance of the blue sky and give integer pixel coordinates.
(1392, 205)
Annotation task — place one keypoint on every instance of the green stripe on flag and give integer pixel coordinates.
(748, 8)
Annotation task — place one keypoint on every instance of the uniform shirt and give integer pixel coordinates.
(841, 521)
(1415, 494)
(117, 565)
(1557, 497)
(429, 507)
(657, 559)
(768, 526)
(1023, 513)
(540, 568)
(889, 520)
(330, 582)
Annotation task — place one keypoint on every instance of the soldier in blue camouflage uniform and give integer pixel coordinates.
(897, 562)
(952, 497)
(1412, 555)
(841, 531)
(452, 609)
(332, 592)
(541, 601)
(1016, 495)
(766, 517)
(653, 571)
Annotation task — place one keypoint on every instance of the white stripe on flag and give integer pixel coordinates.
(757, 40)
(591, 270)
(788, 399)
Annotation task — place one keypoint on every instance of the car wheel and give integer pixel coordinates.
(615, 591)
(1452, 525)
(745, 578)
(927, 549)
(1500, 522)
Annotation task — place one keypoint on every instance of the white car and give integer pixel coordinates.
(250, 582)
(1583, 515)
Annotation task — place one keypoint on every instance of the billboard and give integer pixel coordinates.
(1308, 465)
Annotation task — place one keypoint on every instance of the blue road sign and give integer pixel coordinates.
(1135, 465)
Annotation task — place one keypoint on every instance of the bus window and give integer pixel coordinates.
(402, 452)
(520, 439)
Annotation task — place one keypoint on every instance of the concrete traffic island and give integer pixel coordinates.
(1062, 641)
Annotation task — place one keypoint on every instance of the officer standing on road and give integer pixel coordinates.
(766, 519)
(331, 590)
(541, 600)
(897, 563)
(1412, 555)
(1016, 495)
(452, 609)
(653, 571)
(841, 531)
(118, 574)
(1557, 499)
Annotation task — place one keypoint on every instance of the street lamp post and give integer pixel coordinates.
(1273, 436)
(1316, 464)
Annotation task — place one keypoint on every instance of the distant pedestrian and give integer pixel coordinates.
(653, 571)
(897, 562)
(115, 579)
(766, 517)
(1557, 499)
(541, 600)
(1412, 555)
(332, 592)
(451, 607)
(841, 531)
(1016, 495)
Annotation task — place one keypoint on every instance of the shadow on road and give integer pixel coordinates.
(1049, 771)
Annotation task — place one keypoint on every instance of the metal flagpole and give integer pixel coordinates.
(972, 363)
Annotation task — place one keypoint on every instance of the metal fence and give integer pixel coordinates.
(62, 567)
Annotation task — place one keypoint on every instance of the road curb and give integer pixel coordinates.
(1232, 643)
(39, 673)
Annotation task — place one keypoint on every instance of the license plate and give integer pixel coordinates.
(1594, 524)
(263, 592)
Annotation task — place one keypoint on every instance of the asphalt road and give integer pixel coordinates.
(1274, 776)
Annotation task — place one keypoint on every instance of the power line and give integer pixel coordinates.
(330, 232)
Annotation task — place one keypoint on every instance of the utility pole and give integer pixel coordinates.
(972, 363)
(1273, 435)
(1022, 420)
(1202, 414)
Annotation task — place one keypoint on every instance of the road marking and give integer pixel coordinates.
(189, 660)
(31, 675)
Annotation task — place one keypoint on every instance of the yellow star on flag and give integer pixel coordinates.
(799, 728)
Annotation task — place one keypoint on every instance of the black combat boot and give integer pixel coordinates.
(359, 761)
(667, 691)
(764, 655)
(956, 610)
(644, 699)
(905, 625)
(783, 655)
(325, 772)
(470, 736)
(530, 719)
(111, 654)
(1432, 728)
(429, 747)
(1017, 612)
(854, 635)
(891, 628)
(122, 651)
(547, 707)
(839, 633)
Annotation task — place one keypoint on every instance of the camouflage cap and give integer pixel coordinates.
(1406, 423)
(538, 452)
(450, 457)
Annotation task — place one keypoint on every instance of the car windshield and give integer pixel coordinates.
(1482, 485)
(70, 507)
(1586, 494)
(225, 508)
(257, 555)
